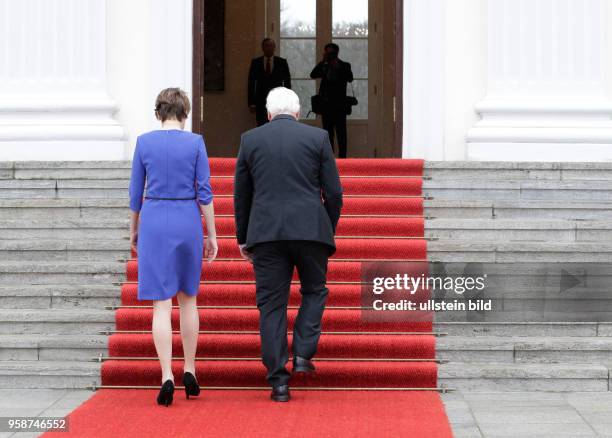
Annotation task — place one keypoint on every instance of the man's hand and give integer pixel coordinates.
(210, 249)
(247, 255)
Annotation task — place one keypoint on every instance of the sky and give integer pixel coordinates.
(343, 10)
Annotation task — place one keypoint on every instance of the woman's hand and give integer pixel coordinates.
(134, 219)
(210, 249)
(134, 241)
(210, 246)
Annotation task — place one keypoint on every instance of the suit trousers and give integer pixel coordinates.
(336, 121)
(274, 263)
(261, 114)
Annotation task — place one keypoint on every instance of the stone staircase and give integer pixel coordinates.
(62, 236)
(522, 213)
(64, 230)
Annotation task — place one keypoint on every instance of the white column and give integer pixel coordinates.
(546, 87)
(423, 79)
(171, 37)
(54, 103)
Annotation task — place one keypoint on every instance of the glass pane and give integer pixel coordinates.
(298, 18)
(360, 111)
(350, 18)
(300, 55)
(355, 51)
(305, 89)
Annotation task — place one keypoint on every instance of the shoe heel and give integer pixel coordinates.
(191, 385)
(166, 392)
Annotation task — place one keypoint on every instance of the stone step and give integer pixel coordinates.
(26, 374)
(534, 312)
(523, 349)
(55, 321)
(508, 230)
(64, 188)
(525, 252)
(102, 209)
(518, 190)
(439, 169)
(439, 188)
(514, 209)
(46, 347)
(455, 375)
(440, 228)
(438, 250)
(60, 209)
(491, 349)
(483, 376)
(61, 273)
(508, 170)
(65, 169)
(64, 250)
(116, 228)
(59, 296)
(524, 329)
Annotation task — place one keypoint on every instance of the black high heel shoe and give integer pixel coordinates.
(166, 393)
(191, 385)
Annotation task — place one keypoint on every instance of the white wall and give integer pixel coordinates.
(608, 39)
(90, 90)
(509, 80)
(54, 100)
(548, 64)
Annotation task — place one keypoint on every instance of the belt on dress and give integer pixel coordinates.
(171, 199)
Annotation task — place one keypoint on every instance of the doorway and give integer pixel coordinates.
(228, 34)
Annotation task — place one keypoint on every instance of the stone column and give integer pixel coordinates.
(546, 83)
(54, 104)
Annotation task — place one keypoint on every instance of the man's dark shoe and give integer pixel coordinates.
(280, 393)
(301, 365)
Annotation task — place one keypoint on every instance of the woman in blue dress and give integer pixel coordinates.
(166, 230)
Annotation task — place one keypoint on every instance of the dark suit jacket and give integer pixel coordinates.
(260, 83)
(333, 81)
(286, 185)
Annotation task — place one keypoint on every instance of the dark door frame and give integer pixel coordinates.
(198, 73)
(398, 109)
(198, 67)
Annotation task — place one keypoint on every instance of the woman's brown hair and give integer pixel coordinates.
(172, 103)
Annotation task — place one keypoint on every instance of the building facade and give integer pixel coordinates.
(511, 80)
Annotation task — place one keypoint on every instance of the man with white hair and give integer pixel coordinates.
(287, 202)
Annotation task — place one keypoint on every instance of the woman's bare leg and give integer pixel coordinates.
(162, 336)
(190, 326)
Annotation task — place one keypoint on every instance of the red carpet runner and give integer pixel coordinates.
(382, 219)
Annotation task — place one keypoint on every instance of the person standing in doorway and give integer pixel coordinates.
(334, 74)
(266, 72)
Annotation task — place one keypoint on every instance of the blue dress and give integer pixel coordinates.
(170, 246)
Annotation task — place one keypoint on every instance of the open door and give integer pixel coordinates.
(228, 34)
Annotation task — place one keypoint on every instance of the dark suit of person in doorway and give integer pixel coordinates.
(334, 74)
(287, 202)
(266, 72)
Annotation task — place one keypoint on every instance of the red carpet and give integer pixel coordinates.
(382, 220)
(250, 414)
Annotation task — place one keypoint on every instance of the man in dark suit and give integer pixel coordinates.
(287, 202)
(334, 74)
(266, 72)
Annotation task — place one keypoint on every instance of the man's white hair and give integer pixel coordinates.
(282, 100)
